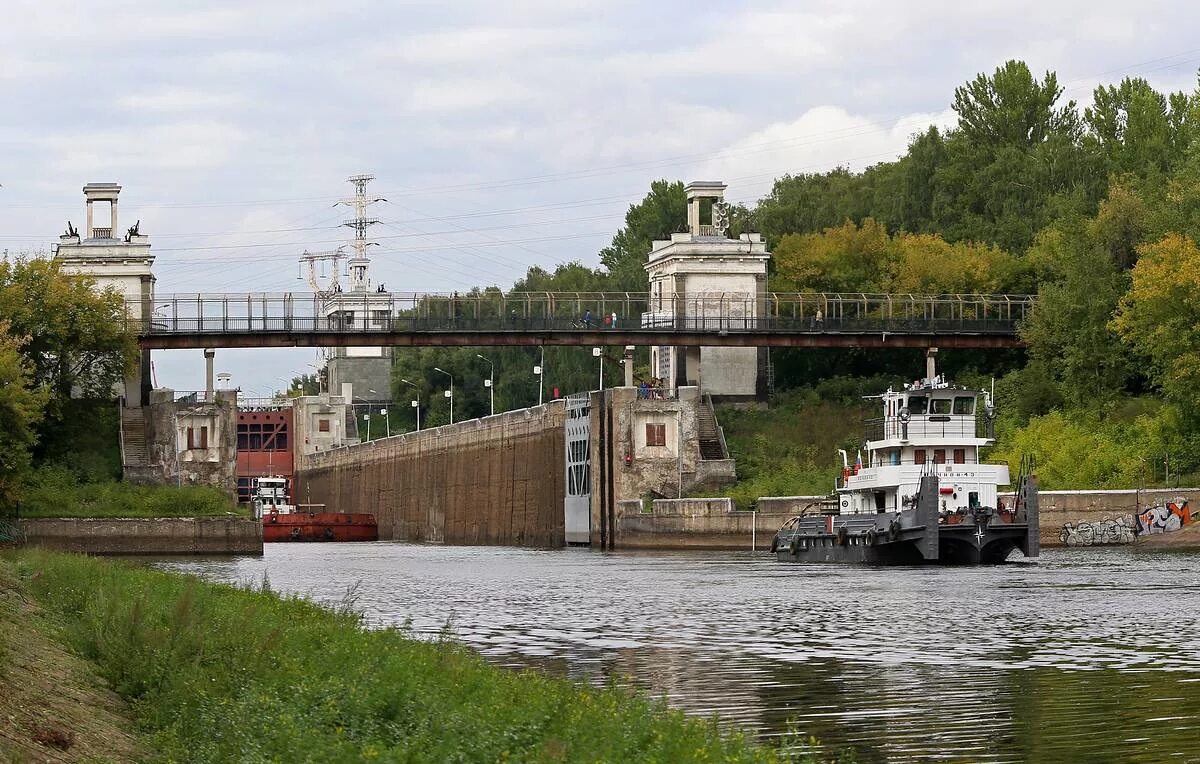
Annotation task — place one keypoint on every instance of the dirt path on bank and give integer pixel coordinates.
(53, 706)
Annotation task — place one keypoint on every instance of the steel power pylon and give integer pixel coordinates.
(359, 281)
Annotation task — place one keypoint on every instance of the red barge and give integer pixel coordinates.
(283, 521)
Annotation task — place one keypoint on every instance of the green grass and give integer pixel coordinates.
(789, 449)
(216, 673)
(55, 493)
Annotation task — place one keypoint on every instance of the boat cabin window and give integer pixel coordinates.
(960, 456)
(964, 405)
(939, 456)
(939, 406)
(919, 456)
(917, 404)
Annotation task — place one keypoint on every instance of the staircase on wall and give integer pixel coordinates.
(712, 445)
(134, 452)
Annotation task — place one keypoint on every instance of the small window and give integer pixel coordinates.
(939, 406)
(917, 404)
(960, 456)
(203, 437)
(322, 425)
(191, 439)
(255, 442)
(281, 442)
(964, 405)
(656, 435)
(939, 456)
(919, 456)
(243, 441)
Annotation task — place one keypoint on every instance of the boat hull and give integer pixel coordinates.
(915, 536)
(320, 526)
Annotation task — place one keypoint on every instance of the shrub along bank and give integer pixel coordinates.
(53, 492)
(215, 673)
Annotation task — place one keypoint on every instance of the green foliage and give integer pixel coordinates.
(20, 411)
(790, 448)
(661, 213)
(221, 674)
(1160, 316)
(1081, 450)
(56, 492)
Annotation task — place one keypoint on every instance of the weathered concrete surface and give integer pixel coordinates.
(497, 480)
(163, 535)
(209, 458)
(1187, 537)
(1058, 508)
(694, 524)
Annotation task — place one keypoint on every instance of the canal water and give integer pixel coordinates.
(1089, 655)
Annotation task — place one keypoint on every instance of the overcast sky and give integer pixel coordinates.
(503, 134)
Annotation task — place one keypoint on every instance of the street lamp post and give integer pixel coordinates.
(598, 353)
(367, 419)
(540, 371)
(450, 392)
(387, 421)
(490, 383)
(417, 403)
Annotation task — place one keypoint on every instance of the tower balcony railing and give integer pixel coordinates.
(102, 233)
(941, 426)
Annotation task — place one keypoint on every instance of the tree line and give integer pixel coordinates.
(1094, 209)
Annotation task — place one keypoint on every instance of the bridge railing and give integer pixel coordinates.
(380, 312)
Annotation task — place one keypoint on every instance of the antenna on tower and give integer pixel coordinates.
(359, 262)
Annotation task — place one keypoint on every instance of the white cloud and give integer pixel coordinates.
(175, 99)
(449, 95)
(164, 147)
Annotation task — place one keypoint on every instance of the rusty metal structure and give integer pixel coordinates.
(496, 318)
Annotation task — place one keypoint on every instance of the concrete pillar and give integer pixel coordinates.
(930, 363)
(88, 233)
(113, 217)
(209, 355)
(627, 361)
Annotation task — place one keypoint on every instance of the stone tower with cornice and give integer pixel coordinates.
(117, 259)
(702, 278)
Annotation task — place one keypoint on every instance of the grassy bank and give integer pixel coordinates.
(215, 673)
(57, 493)
(790, 448)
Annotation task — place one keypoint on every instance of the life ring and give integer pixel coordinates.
(871, 537)
(329, 533)
(295, 533)
(894, 530)
(843, 536)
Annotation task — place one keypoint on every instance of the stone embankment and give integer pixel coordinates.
(703, 523)
(145, 536)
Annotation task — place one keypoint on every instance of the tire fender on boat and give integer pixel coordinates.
(872, 536)
(774, 545)
(796, 545)
(295, 533)
(329, 533)
(894, 530)
(843, 536)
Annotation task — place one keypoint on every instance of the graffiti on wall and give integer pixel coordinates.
(1109, 531)
(1163, 519)
(1123, 529)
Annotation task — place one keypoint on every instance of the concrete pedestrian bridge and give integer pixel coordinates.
(710, 319)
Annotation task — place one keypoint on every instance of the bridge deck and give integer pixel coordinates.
(529, 319)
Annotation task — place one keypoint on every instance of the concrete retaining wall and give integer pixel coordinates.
(694, 524)
(150, 536)
(1060, 507)
(496, 480)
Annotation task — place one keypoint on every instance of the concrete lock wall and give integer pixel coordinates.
(694, 524)
(150, 536)
(496, 480)
(1058, 508)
